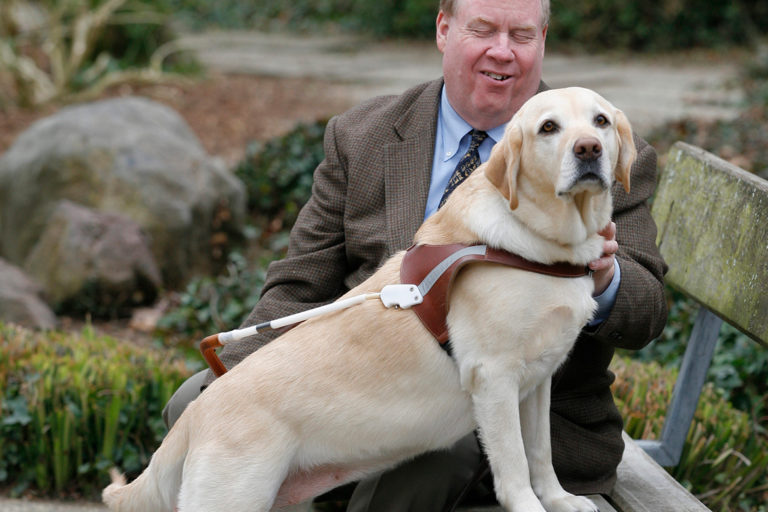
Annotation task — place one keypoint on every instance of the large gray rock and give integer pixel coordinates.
(129, 156)
(20, 299)
(89, 261)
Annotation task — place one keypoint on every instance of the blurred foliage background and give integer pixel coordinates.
(586, 25)
(60, 431)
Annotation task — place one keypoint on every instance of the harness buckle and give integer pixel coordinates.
(401, 295)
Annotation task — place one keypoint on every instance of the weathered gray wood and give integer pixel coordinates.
(713, 233)
(602, 505)
(644, 486)
(685, 396)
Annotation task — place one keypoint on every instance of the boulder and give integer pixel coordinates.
(20, 299)
(91, 261)
(129, 156)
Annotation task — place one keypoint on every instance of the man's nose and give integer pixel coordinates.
(501, 47)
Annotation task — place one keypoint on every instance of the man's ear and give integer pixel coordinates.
(441, 30)
(502, 167)
(627, 151)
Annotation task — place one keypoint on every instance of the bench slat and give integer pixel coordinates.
(644, 486)
(598, 500)
(713, 233)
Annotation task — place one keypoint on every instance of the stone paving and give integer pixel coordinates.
(650, 90)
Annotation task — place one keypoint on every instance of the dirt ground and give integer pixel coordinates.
(226, 111)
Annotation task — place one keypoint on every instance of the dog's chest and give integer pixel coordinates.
(434, 268)
(522, 319)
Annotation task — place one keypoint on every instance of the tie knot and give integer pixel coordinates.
(478, 136)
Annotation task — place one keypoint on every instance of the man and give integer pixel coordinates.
(386, 166)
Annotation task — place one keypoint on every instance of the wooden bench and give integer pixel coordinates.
(713, 233)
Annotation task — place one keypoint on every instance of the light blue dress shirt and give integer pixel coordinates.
(451, 142)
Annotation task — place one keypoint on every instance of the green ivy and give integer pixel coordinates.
(278, 173)
(214, 304)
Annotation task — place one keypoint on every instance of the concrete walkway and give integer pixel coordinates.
(650, 91)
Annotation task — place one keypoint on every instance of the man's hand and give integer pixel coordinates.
(602, 268)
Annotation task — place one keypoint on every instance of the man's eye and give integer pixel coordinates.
(482, 32)
(522, 37)
(601, 120)
(548, 127)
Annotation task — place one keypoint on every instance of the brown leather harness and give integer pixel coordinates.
(434, 267)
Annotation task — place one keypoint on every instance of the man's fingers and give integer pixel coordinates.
(610, 247)
(609, 231)
(601, 263)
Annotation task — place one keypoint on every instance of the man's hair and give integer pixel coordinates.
(449, 7)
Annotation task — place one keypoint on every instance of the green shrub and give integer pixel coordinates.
(75, 405)
(739, 366)
(213, 304)
(135, 32)
(398, 18)
(278, 174)
(653, 26)
(724, 461)
(84, 46)
(591, 24)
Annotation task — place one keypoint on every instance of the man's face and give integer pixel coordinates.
(492, 57)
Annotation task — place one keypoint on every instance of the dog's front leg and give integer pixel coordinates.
(495, 396)
(534, 411)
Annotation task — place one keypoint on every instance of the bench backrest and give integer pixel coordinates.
(713, 233)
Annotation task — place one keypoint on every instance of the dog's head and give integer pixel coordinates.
(564, 143)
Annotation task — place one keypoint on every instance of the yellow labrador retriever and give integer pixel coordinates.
(355, 392)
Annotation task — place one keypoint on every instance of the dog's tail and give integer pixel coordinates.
(157, 488)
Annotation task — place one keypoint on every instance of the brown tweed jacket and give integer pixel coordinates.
(369, 198)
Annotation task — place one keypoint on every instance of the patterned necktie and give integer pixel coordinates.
(467, 164)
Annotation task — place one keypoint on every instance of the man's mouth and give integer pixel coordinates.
(496, 76)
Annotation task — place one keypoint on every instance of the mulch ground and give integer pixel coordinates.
(227, 112)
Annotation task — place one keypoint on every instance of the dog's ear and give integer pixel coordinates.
(504, 163)
(627, 151)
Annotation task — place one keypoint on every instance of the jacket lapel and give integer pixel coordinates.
(409, 167)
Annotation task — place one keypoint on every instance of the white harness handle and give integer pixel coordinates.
(393, 295)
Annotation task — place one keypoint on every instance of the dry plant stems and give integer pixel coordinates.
(45, 61)
(725, 457)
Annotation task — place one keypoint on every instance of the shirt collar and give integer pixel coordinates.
(455, 128)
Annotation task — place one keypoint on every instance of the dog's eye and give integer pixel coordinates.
(601, 120)
(548, 127)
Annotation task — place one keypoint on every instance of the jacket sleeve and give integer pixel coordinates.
(312, 272)
(639, 313)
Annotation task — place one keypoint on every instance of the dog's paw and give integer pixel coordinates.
(525, 501)
(569, 503)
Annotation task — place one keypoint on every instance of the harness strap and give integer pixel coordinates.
(434, 267)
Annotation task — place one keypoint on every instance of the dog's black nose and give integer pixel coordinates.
(587, 149)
